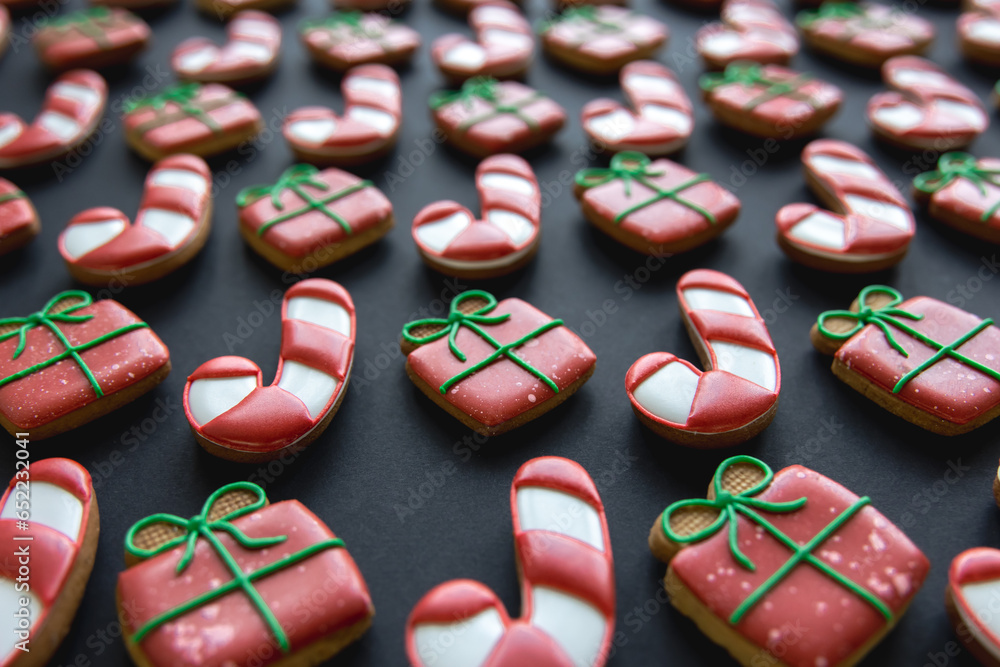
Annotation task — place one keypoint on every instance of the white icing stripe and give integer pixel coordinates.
(820, 228)
(80, 239)
(10, 132)
(64, 127)
(52, 506)
(901, 117)
(180, 178)
(439, 234)
(501, 181)
(382, 121)
(210, 397)
(651, 84)
(834, 165)
(747, 362)
(74, 91)
(254, 51)
(899, 218)
(982, 598)
(540, 508)
(198, 59)
(378, 86)
(516, 226)
(722, 44)
(10, 604)
(962, 113)
(465, 643)
(466, 55)
(577, 626)
(667, 116)
(612, 126)
(173, 226)
(313, 131)
(313, 387)
(321, 313)
(701, 298)
(669, 392)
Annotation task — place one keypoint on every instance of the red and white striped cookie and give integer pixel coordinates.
(235, 417)
(926, 108)
(251, 52)
(753, 30)
(72, 109)
(504, 46)
(973, 588)
(869, 226)
(452, 241)
(173, 223)
(979, 34)
(373, 113)
(19, 221)
(56, 499)
(564, 559)
(659, 122)
(732, 401)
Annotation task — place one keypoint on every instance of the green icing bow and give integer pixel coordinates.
(837, 11)
(748, 74)
(731, 505)
(483, 88)
(351, 19)
(585, 13)
(959, 165)
(181, 94)
(889, 315)
(457, 319)
(201, 527)
(78, 18)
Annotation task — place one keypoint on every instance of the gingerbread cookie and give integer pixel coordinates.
(601, 39)
(173, 223)
(864, 34)
(737, 396)
(979, 34)
(770, 100)
(250, 54)
(926, 108)
(869, 226)
(48, 522)
(928, 362)
(506, 238)
(311, 218)
(656, 208)
(504, 46)
(799, 551)
(74, 361)
(564, 561)
(347, 39)
(488, 116)
(204, 120)
(19, 221)
(373, 113)
(494, 366)
(659, 121)
(95, 37)
(72, 109)
(963, 192)
(4, 28)
(238, 581)
(750, 30)
(973, 581)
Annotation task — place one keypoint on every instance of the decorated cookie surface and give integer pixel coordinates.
(973, 583)
(19, 222)
(750, 30)
(926, 361)
(979, 33)
(172, 225)
(73, 361)
(864, 33)
(869, 226)
(503, 48)
(250, 52)
(94, 38)
(737, 396)
(602, 38)
(347, 39)
(242, 573)
(769, 553)
(963, 192)
(72, 109)
(564, 560)
(494, 366)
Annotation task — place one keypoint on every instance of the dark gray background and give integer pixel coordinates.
(389, 447)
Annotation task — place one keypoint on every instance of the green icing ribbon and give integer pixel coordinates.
(631, 166)
(748, 74)
(84, 20)
(457, 319)
(959, 165)
(837, 11)
(11, 196)
(181, 94)
(294, 178)
(888, 316)
(48, 319)
(352, 20)
(483, 88)
(584, 13)
(200, 527)
(730, 506)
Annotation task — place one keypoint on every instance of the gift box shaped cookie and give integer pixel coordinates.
(786, 568)
(241, 583)
(19, 221)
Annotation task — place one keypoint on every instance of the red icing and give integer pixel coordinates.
(868, 549)
(973, 566)
(619, 34)
(764, 35)
(964, 199)
(379, 38)
(311, 600)
(503, 390)
(553, 472)
(15, 214)
(503, 34)
(232, 62)
(881, 32)
(121, 32)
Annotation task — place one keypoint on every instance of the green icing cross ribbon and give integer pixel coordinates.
(959, 165)
(294, 178)
(731, 506)
(837, 11)
(11, 196)
(48, 319)
(631, 166)
(457, 319)
(486, 89)
(583, 13)
(888, 316)
(86, 21)
(200, 527)
(748, 75)
(181, 94)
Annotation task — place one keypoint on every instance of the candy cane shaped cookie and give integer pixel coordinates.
(235, 417)
(251, 52)
(564, 560)
(662, 119)
(979, 34)
(926, 109)
(73, 107)
(732, 401)
(373, 112)
(171, 228)
(453, 242)
(973, 584)
(753, 30)
(19, 221)
(504, 45)
(61, 540)
(869, 227)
